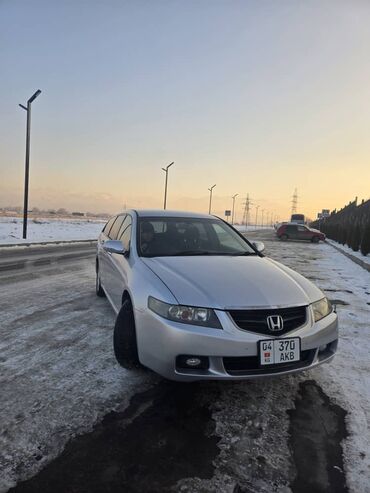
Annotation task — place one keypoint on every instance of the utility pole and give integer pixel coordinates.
(210, 198)
(232, 217)
(27, 166)
(257, 207)
(263, 211)
(165, 186)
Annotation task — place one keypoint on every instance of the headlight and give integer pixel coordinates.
(185, 314)
(321, 309)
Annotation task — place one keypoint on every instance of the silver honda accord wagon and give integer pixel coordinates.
(196, 300)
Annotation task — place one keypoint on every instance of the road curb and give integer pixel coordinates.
(355, 259)
(51, 242)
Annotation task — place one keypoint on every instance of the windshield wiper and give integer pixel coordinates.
(193, 252)
(206, 252)
(243, 254)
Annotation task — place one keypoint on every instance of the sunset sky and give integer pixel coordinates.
(259, 97)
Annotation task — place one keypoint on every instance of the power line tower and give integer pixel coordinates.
(247, 205)
(294, 202)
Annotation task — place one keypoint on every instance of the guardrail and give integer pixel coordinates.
(49, 242)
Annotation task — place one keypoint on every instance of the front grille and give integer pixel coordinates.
(246, 365)
(256, 320)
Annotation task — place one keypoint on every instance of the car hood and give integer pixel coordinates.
(227, 282)
(315, 230)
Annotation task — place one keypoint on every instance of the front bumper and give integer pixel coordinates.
(232, 352)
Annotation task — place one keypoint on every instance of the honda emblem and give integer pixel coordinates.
(275, 323)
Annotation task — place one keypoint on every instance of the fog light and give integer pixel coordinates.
(323, 348)
(193, 362)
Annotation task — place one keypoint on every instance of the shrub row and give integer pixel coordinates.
(349, 226)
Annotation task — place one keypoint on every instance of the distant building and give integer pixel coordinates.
(323, 214)
(80, 214)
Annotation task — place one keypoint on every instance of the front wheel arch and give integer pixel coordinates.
(126, 296)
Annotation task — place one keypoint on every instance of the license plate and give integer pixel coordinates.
(279, 351)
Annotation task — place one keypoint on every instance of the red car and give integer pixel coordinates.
(299, 232)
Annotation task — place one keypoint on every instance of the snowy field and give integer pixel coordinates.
(58, 377)
(245, 229)
(39, 230)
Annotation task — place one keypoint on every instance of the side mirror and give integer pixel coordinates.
(114, 246)
(259, 246)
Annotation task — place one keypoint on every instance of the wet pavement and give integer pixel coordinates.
(316, 432)
(164, 435)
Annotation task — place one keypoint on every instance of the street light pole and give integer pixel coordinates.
(263, 211)
(257, 207)
(165, 186)
(210, 198)
(27, 165)
(232, 217)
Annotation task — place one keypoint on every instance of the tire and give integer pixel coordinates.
(98, 287)
(124, 337)
(315, 239)
(284, 237)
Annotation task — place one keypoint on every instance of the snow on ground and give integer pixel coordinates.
(347, 249)
(11, 229)
(58, 376)
(243, 228)
(346, 379)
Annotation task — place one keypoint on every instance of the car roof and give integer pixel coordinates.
(294, 224)
(170, 213)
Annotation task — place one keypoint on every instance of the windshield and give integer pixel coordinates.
(177, 236)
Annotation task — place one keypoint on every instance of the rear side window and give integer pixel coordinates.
(291, 229)
(116, 227)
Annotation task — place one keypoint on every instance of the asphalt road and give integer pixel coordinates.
(14, 260)
(73, 421)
